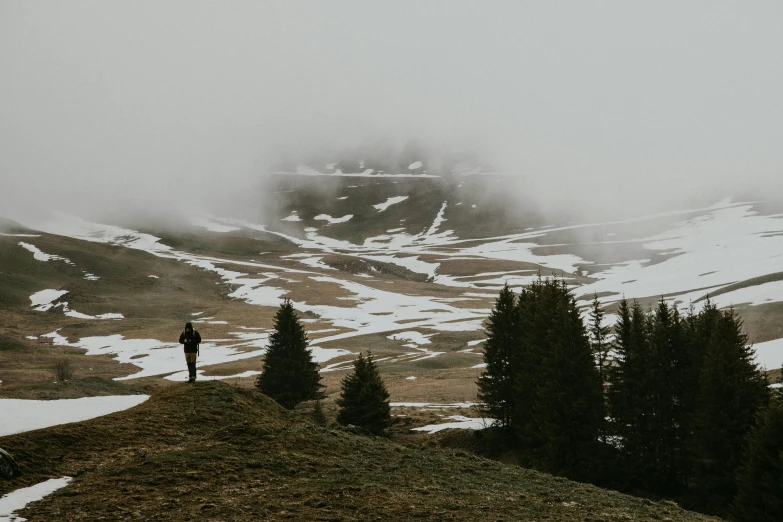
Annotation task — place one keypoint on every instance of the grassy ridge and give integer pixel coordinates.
(215, 452)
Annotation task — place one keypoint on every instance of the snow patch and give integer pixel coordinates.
(389, 202)
(20, 415)
(331, 220)
(41, 256)
(293, 217)
(769, 354)
(18, 499)
(316, 262)
(43, 300)
(412, 336)
(461, 423)
(432, 405)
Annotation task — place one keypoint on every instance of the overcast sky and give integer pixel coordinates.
(159, 101)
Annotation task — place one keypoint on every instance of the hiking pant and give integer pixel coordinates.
(190, 358)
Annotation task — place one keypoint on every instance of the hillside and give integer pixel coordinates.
(408, 267)
(215, 452)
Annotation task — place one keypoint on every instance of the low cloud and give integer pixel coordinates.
(178, 106)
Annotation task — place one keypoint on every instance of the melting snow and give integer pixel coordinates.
(316, 262)
(461, 423)
(769, 354)
(753, 295)
(415, 165)
(411, 263)
(42, 301)
(25, 415)
(41, 256)
(414, 337)
(71, 226)
(293, 217)
(155, 357)
(700, 252)
(432, 405)
(439, 219)
(331, 220)
(18, 499)
(389, 202)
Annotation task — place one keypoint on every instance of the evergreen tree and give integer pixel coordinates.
(632, 394)
(664, 436)
(290, 376)
(760, 479)
(601, 345)
(364, 400)
(318, 414)
(599, 338)
(732, 392)
(560, 419)
(496, 383)
(698, 330)
(619, 392)
(534, 317)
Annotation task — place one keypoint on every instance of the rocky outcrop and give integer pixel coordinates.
(8, 467)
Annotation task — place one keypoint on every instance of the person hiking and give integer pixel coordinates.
(191, 339)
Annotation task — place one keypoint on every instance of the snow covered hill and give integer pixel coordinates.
(406, 266)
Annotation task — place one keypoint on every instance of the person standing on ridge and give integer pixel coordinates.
(191, 339)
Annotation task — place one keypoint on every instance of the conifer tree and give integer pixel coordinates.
(290, 376)
(599, 337)
(496, 383)
(698, 329)
(562, 420)
(732, 392)
(619, 393)
(364, 400)
(664, 436)
(601, 346)
(632, 394)
(760, 479)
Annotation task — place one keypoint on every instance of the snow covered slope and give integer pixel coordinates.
(466, 248)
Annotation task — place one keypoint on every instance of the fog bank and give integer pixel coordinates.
(148, 106)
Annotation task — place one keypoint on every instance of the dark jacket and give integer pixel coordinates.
(191, 343)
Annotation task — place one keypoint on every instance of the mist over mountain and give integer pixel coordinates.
(384, 155)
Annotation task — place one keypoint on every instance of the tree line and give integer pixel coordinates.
(663, 404)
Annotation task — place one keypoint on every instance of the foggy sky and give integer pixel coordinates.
(171, 104)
